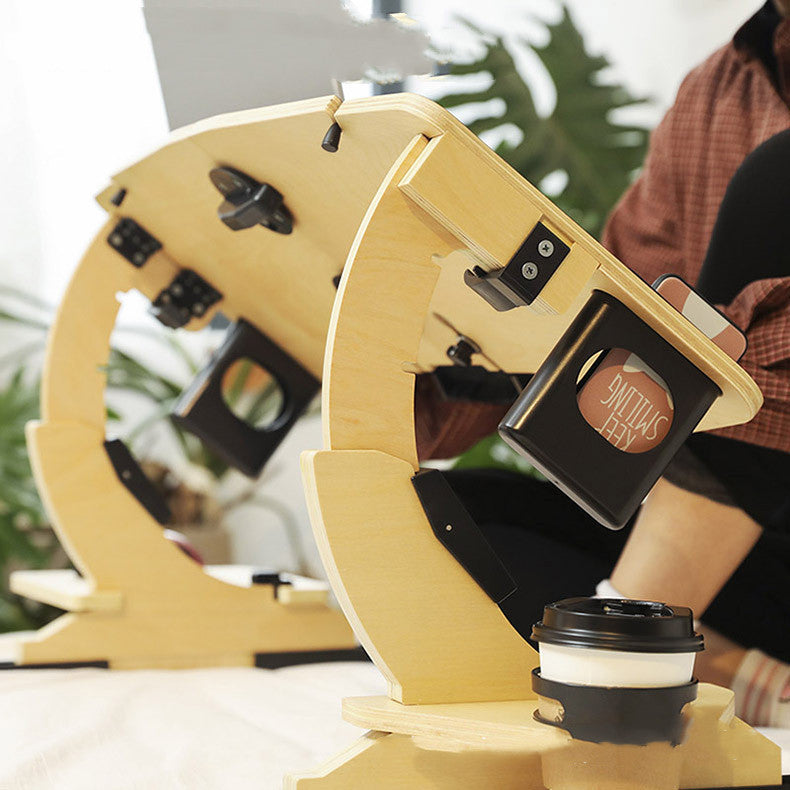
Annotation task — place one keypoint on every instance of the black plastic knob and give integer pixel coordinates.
(248, 202)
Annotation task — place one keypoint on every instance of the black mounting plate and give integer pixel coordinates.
(201, 409)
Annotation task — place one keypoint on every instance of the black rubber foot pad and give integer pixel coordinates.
(277, 660)
(57, 665)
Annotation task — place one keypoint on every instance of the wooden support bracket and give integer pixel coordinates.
(460, 702)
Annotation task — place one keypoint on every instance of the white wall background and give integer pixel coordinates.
(80, 96)
(80, 99)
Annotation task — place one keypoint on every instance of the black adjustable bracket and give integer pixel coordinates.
(635, 716)
(188, 296)
(134, 480)
(457, 531)
(520, 282)
(133, 241)
(249, 202)
(202, 410)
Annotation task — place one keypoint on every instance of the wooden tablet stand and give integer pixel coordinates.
(460, 707)
(136, 600)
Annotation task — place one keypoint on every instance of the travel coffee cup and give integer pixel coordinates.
(616, 675)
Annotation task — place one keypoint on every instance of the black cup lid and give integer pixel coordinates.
(616, 624)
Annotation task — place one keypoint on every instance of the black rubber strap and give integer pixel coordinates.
(635, 716)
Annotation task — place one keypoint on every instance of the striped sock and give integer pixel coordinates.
(762, 691)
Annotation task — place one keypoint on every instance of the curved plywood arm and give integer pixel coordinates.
(447, 203)
(284, 285)
(432, 632)
(73, 382)
(364, 394)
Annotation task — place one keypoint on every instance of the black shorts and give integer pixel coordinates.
(555, 550)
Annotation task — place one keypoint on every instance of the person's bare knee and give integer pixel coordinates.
(683, 548)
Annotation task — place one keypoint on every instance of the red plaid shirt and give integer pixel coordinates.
(725, 108)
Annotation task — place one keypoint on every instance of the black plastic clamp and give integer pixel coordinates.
(188, 296)
(457, 531)
(135, 481)
(520, 282)
(133, 241)
(635, 716)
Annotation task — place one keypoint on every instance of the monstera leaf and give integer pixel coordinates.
(578, 138)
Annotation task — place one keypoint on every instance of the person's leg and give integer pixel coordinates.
(552, 547)
(753, 607)
(761, 682)
(719, 662)
(683, 548)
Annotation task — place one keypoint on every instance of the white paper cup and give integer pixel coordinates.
(594, 667)
(610, 645)
(617, 643)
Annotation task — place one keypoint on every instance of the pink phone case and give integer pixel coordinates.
(703, 315)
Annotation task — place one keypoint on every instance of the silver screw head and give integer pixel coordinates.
(546, 248)
(529, 271)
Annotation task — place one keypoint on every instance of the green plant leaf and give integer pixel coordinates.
(22, 320)
(493, 453)
(579, 137)
(125, 372)
(25, 538)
